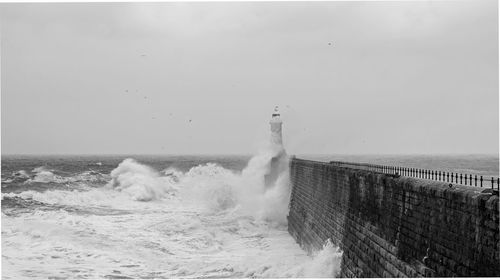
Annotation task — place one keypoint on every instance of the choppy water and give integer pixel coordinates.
(152, 217)
(164, 217)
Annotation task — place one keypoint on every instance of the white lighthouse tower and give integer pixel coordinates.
(279, 160)
(276, 123)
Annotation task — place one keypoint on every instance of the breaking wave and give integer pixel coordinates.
(140, 181)
(211, 186)
(208, 221)
(325, 263)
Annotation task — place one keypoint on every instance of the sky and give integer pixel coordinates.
(203, 78)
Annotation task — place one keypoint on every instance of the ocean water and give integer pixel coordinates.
(110, 217)
(486, 165)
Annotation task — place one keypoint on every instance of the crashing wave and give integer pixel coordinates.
(212, 186)
(141, 182)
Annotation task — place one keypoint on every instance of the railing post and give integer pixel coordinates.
(481, 180)
(475, 180)
(460, 178)
(492, 183)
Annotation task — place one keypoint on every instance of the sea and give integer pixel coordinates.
(148, 217)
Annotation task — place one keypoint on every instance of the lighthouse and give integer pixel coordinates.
(276, 124)
(279, 160)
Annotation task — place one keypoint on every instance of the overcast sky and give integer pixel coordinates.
(177, 78)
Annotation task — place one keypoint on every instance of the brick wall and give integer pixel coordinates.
(394, 227)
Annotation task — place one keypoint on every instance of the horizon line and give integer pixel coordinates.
(249, 154)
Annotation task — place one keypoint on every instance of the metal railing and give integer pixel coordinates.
(441, 176)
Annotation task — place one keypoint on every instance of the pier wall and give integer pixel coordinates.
(394, 227)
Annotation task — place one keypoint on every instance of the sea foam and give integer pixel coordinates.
(206, 222)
